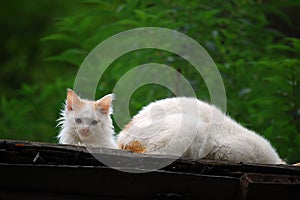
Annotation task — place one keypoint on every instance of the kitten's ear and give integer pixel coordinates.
(105, 104)
(72, 100)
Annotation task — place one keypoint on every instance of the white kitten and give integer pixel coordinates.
(87, 123)
(191, 128)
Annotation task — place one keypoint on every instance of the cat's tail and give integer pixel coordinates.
(297, 164)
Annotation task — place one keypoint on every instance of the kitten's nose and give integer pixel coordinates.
(85, 130)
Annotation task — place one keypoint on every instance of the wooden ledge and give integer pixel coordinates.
(34, 169)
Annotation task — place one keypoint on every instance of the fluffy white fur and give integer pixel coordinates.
(191, 128)
(87, 123)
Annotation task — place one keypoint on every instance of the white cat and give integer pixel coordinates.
(87, 123)
(191, 128)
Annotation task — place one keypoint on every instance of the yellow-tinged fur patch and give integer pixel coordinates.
(134, 146)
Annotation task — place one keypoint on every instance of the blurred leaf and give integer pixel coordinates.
(60, 37)
(72, 56)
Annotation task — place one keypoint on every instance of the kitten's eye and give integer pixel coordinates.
(94, 122)
(78, 120)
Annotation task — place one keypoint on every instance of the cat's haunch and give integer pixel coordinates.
(192, 128)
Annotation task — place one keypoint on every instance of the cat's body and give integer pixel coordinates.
(191, 128)
(87, 123)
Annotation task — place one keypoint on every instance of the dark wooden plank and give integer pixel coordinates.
(35, 195)
(106, 182)
(269, 186)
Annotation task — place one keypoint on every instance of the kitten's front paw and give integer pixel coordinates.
(80, 144)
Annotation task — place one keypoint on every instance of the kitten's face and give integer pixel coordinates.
(87, 117)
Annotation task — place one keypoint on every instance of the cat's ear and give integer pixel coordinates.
(105, 104)
(72, 100)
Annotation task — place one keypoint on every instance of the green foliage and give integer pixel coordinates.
(259, 61)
